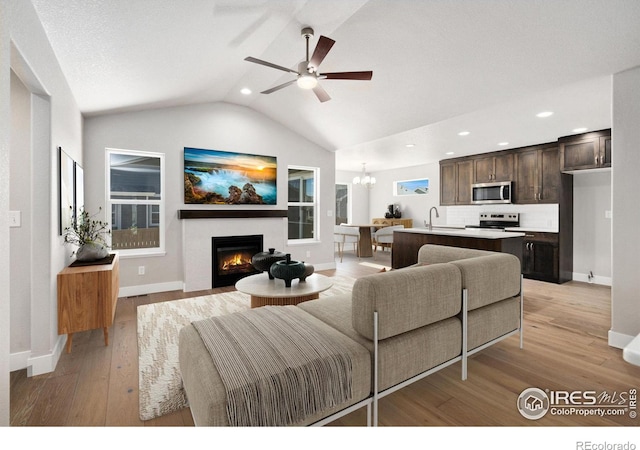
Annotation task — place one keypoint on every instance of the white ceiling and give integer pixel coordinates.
(439, 67)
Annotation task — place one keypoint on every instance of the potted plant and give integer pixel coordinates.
(90, 235)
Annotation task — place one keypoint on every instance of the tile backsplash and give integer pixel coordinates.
(531, 216)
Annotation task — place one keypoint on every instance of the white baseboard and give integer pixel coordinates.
(19, 361)
(144, 289)
(38, 365)
(605, 281)
(325, 266)
(619, 340)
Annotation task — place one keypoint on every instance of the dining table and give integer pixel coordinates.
(365, 243)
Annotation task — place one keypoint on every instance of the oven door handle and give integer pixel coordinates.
(502, 192)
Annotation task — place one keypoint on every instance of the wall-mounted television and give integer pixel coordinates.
(216, 177)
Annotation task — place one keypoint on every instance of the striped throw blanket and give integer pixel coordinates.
(276, 365)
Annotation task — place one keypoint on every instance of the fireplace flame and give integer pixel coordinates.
(235, 261)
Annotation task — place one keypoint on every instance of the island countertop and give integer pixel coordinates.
(407, 241)
(482, 233)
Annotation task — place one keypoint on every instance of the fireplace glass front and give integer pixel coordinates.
(232, 258)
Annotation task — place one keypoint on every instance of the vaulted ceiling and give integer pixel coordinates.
(439, 67)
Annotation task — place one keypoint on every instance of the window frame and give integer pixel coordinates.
(315, 204)
(138, 252)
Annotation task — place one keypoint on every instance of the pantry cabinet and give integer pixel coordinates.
(538, 177)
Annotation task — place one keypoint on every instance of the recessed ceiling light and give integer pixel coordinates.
(502, 144)
(579, 130)
(410, 145)
(449, 153)
(463, 133)
(245, 91)
(544, 114)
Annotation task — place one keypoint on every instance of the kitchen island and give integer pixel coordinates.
(407, 242)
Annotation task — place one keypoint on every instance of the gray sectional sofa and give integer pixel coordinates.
(395, 327)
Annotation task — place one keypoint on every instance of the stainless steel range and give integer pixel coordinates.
(497, 221)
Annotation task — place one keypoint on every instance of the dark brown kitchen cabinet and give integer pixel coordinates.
(493, 168)
(455, 182)
(585, 151)
(537, 175)
(541, 257)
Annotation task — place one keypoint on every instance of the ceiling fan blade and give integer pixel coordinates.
(268, 64)
(365, 75)
(321, 93)
(278, 87)
(322, 48)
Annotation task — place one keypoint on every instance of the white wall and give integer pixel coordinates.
(414, 207)
(55, 121)
(219, 126)
(20, 200)
(5, 275)
(625, 292)
(592, 230)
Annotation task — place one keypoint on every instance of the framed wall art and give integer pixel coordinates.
(216, 177)
(418, 186)
(66, 189)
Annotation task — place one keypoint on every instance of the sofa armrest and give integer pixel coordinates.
(406, 299)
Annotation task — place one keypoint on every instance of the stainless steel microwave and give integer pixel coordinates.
(488, 193)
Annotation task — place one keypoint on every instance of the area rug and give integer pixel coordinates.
(159, 379)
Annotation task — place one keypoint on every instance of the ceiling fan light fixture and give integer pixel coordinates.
(307, 81)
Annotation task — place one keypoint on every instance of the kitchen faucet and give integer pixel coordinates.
(430, 224)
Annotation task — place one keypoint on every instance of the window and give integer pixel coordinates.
(303, 195)
(135, 198)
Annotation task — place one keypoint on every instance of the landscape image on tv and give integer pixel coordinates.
(215, 177)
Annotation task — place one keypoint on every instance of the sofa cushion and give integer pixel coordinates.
(406, 299)
(433, 253)
(402, 356)
(493, 321)
(489, 279)
(206, 393)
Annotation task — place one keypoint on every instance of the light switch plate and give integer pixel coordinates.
(14, 219)
(607, 214)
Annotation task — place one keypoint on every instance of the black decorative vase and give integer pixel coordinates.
(308, 270)
(264, 260)
(287, 270)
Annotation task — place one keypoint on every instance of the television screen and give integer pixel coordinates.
(216, 177)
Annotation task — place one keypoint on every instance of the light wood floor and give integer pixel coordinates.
(565, 349)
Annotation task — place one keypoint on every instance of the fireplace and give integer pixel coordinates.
(231, 257)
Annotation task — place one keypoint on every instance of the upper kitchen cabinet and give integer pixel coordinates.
(497, 167)
(585, 151)
(456, 178)
(537, 175)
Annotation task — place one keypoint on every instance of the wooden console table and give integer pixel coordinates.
(87, 297)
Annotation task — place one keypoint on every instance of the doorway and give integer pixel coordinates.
(342, 203)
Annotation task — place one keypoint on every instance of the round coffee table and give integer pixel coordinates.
(264, 291)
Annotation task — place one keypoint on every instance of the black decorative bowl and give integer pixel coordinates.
(264, 260)
(287, 270)
(308, 270)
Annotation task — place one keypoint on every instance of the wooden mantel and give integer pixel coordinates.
(230, 214)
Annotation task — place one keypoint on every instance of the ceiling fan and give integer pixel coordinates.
(307, 73)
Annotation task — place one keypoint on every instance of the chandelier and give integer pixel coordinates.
(365, 179)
